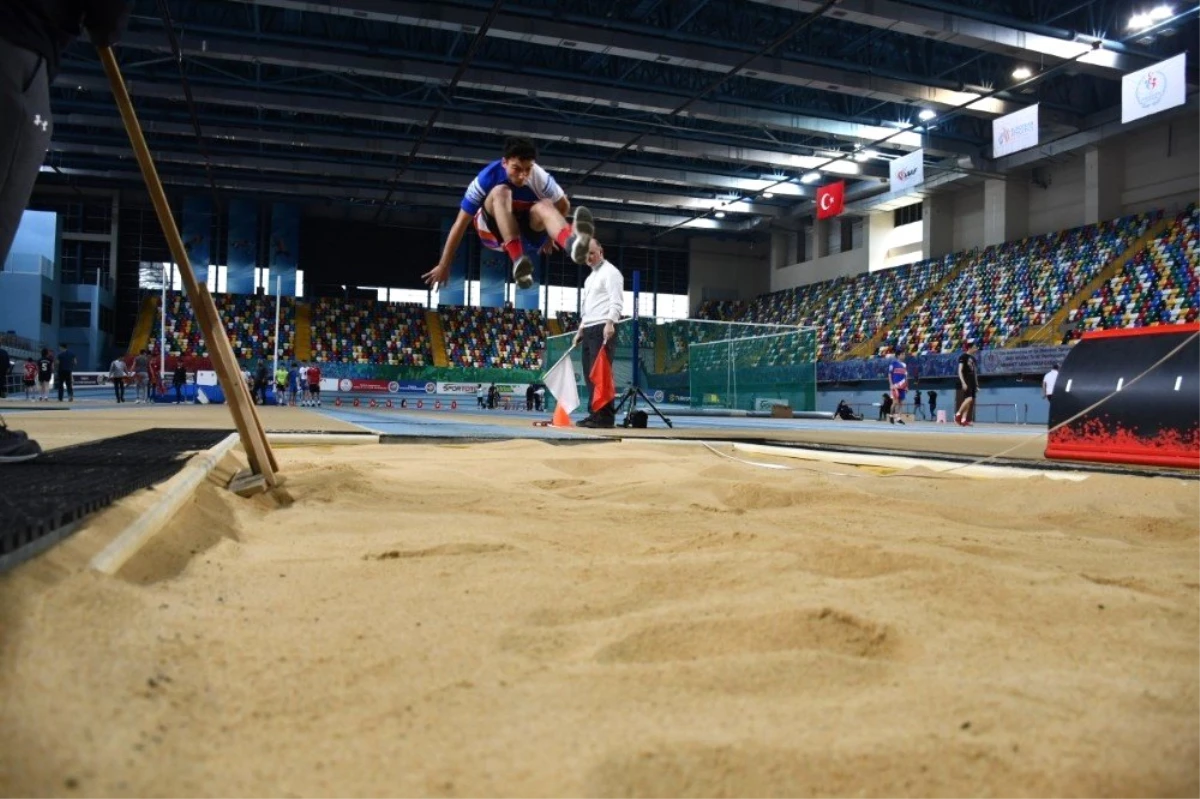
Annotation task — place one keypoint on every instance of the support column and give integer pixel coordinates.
(938, 220)
(1005, 209)
(876, 228)
(1103, 177)
(821, 237)
(784, 249)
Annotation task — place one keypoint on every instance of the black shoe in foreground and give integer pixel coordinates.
(15, 446)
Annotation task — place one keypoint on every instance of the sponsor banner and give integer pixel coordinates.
(1029, 360)
(1015, 132)
(1156, 88)
(767, 403)
(455, 388)
(347, 384)
(84, 379)
(907, 172)
(474, 388)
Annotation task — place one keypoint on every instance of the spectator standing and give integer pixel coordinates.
(968, 380)
(141, 378)
(117, 372)
(179, 381)
(5, 368)
(29, 379)
(314, 385)
(65, 371)
(45, 366)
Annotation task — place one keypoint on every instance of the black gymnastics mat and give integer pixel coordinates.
(44, 499)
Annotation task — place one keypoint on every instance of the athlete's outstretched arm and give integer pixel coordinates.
(439, 274)
(563, 205)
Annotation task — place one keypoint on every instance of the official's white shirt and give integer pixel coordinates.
(1048, 382)
(603, 295)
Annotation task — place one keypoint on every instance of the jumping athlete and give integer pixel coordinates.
(516, 206)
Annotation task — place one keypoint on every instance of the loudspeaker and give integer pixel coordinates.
(638, 419)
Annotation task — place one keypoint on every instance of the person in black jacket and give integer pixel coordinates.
(33, 35)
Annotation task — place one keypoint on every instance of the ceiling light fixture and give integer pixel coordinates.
(1022, 73)
(926, 115)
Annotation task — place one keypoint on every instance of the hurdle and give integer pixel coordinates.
(263, 465)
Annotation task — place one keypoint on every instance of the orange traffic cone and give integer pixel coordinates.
(561, 417)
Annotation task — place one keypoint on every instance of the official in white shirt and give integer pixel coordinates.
(1048, 382)
(603, 296)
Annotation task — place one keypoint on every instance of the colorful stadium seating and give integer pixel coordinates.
(366, 331)
(249, 322)
(1001, 291)
(1158, 286)
(494, 338)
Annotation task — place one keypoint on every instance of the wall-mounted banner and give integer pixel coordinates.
(1156, 88)
(529, 299)
(494, 268)
(285, 248)
(1015, 132)
(243, 246)
(907, 172)
(197, 234)
(453, 290)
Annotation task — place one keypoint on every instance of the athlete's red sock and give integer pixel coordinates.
(563, 235)
(514, 249)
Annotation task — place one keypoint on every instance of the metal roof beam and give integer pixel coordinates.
(646, 47)
(630, 99)
(424, 177)
(401, 198)
(1006, 40)
(475, 123)
(476, 156)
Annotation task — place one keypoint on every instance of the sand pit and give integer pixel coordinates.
(616, 619)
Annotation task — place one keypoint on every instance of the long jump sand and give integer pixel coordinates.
(616, 619)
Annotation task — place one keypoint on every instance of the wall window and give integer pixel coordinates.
(76, 314)
(908, 214)
(47, 309)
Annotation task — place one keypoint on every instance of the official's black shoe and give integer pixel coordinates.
(16, 446)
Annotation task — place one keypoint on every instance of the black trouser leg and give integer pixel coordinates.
(24, 134)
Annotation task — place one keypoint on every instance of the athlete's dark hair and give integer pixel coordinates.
(515, 147)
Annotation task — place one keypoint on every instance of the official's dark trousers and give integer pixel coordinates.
(593, 340)
(25, 130)
(119, 388)
(65, 382)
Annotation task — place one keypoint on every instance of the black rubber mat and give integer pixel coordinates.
(41, 497)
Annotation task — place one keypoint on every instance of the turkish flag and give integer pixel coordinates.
(831, 199)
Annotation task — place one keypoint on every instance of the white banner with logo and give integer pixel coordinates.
(908, 172)
(1015, 132)
(1153, 89)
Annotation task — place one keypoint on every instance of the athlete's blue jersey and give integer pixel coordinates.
(898, 373)
(540, 186)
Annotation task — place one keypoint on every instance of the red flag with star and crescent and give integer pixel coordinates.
(831, 199)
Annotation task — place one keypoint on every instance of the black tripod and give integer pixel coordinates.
(631, 396)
